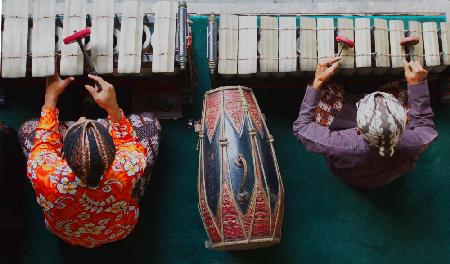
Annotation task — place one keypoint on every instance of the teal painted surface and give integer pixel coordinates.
(325, 220)
(405, 19)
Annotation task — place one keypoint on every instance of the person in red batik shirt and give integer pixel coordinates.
(89, 188)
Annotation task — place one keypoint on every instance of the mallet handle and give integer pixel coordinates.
(88, 63)
(411, 53)
(340, 51)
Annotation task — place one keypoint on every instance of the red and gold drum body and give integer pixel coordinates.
(241, 195)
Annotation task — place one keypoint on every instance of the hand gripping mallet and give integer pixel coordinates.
(345, 43)
(78, 36)
(408, 43)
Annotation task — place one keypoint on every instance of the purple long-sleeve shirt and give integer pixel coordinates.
(348, 155)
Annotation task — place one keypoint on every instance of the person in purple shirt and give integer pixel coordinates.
(371, 142)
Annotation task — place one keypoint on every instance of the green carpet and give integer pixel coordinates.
(325, 220)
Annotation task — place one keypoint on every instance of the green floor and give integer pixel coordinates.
(325, 220)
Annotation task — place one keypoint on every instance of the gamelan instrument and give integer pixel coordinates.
(280, 44)
(241, 195)
(123, 39)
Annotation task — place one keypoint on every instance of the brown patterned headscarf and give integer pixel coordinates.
(381, 119)
(89, 150)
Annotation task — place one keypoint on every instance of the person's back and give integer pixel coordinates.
(359, 165)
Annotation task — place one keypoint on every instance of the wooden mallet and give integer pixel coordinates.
(77, 36)
(345, 43)
(408, 43)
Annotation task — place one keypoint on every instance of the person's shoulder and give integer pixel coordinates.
(127, 165)
(44, 162)
(417, 138)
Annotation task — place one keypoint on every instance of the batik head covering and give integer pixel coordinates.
(381, 120)
(89, 150)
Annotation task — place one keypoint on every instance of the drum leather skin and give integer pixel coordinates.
(241, 195)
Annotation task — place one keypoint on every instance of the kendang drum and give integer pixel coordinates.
(241, 195)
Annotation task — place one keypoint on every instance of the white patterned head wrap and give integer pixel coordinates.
(381, 120)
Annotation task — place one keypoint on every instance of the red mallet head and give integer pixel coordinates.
(77, 35)
(409, 41)
(345, 42)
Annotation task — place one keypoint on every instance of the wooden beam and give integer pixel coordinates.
(363, 50)
(15, 34)
(436, 7)
(228, 44)
(247, 50)
(163, 39)
(325, 38)
(381, 42)
(415, 29)
(345, 29)
(308, 44)
(396, 33)
(130, 46)
(71, 57)
(287, 44)
(102, 35)
(268, 44)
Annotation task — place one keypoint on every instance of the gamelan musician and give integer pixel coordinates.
(89, 175)
(371, 142)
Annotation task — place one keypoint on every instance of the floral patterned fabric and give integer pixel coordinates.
(331, 102)
(145, 126)
(80, 215)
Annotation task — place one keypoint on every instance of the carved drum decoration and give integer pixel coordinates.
(241, 195)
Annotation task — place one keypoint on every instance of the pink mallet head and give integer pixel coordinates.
(409, 41)
(77, 35)
(345, 42)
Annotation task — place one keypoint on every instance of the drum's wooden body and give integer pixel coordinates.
(241, 195)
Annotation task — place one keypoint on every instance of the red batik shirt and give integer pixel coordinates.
(76, 213)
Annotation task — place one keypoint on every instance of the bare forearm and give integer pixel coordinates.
(51, 100)
(114, 113)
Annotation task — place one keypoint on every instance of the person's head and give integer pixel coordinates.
(89, 150)
(381, 120)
